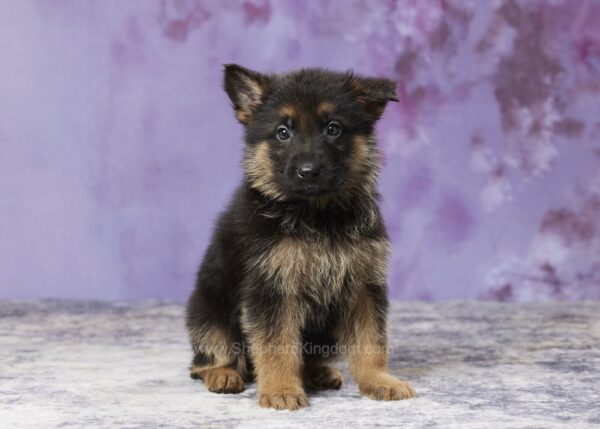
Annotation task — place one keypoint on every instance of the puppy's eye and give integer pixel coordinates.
(334, 129)
(283, 133)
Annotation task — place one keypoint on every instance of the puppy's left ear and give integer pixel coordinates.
(246, 89)
(374, 93)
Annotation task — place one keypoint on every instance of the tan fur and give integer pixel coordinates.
(320, 267)
(367, 351)
(287, 111)
(357, 86)
(366, 345)
(255, 87)
(361, 158)
(214, 343)
(277, 359)
(364, 164)
(298, 116)
(221, 380)
(243, 116)
(259, 170)
(249, 100)
(324, 108)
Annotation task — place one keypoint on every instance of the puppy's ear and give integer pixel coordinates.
(374, 93)
(246, 89)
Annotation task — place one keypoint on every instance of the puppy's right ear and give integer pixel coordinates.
(246, 89)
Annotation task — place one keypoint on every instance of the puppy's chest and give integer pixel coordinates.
(320, 269)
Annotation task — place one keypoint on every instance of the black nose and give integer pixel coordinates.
(308, 170)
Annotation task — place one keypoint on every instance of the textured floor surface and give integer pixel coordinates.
(474, 365)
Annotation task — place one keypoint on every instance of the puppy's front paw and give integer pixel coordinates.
(387, 389)
(284, 400)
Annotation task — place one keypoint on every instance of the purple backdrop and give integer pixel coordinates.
(118, 147)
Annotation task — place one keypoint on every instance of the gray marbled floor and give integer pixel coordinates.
(474, 365)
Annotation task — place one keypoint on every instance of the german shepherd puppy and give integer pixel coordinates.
(296, 270)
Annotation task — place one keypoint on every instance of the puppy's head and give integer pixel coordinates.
(308, 133)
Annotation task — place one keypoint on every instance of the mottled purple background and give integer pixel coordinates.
(118, 147)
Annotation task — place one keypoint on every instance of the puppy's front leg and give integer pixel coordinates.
(275, 346)
(365, 341)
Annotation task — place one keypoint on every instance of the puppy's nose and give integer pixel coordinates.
(308, 170)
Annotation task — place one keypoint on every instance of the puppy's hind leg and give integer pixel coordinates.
(216, 365)
(318, 376)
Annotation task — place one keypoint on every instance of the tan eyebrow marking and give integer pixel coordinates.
(287, 111)
(324, 107)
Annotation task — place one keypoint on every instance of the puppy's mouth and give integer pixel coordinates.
(314, 190)
(311, 191)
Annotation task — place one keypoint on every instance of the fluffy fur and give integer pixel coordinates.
(296, 271)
